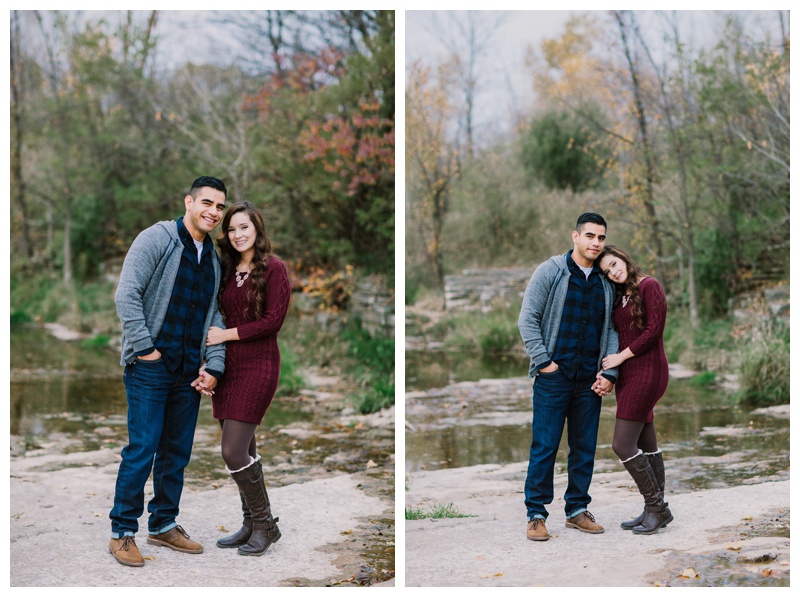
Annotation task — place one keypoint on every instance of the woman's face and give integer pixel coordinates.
(241, 232)
(615, 268)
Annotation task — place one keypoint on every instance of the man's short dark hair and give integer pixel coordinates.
(590, 218)
(208, 181)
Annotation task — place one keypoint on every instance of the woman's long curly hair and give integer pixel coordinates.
(631, 285)
(230, 258)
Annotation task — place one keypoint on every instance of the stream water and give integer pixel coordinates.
(456, 425)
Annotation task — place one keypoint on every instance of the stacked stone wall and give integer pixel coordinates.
(372, 301)
(485, 289)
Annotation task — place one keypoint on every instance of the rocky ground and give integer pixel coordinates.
(735, 536)
(332, 486)
(730, 502)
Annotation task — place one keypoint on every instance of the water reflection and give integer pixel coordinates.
(436, 369)
(685, 418)
(61, 387)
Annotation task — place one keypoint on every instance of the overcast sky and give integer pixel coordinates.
(506, 83)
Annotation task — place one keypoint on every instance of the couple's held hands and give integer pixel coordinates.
(602, 386)
(205, 383)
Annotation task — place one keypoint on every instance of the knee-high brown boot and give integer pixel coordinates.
(241, 536)
(656, 460)
(656, 510)
(265, 532)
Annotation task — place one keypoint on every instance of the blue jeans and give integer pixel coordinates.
(162, 415)
(556, 399)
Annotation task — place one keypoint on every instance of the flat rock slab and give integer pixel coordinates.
(62, 332)
(491, 549)
(59, 529)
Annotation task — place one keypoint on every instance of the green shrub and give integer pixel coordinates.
(19, 316)
(706, 378)
(374, 367)
(96, 342)
(764, 373)
(413, 285)
(710, 346)
(291, 380)
(500, 333)
(487, 333)
(375, 399)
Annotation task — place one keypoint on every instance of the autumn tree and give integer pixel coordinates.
(431, 161)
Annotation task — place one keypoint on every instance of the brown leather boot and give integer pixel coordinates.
(656, 460)
(176, 539)
(125, 551)
(241, 536)
(656, 510)
(265, 532)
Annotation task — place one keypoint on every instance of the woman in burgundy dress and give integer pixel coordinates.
(640, 312)
(253, 297)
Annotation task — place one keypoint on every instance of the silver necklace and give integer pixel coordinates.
(240, 279)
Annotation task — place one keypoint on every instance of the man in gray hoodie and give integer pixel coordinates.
(565, 322)
(166, 301)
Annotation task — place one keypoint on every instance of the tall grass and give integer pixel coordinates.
(436, 511)
(373, 368)
(486, 333)
(711, 346)
(764, 372)
(86, 306)
(758, 352)
(345, 346)
(291, 380)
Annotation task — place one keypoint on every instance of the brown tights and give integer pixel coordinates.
(238, 443)
(632, 436)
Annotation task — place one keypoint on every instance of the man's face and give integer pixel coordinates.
(589, 242)
(204, 211)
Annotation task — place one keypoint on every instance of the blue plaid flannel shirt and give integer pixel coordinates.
(578, 344)
(181, 335)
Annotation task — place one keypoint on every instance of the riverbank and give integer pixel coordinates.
(733, 536)
(744, 354)
(331, 484)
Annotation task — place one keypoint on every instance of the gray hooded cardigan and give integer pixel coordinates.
(540, 316)
(145, 287)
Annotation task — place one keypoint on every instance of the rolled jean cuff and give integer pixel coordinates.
(163, 529)
(580, 510)
(121, 535)
(539, 516)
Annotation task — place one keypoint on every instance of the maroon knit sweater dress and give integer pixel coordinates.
(643, 378)
(252, 363)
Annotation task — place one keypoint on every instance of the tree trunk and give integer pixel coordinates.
(68, 243)
(641, 120)
(62, 125)
(438, 225)
(694, 317)
(17, 115)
